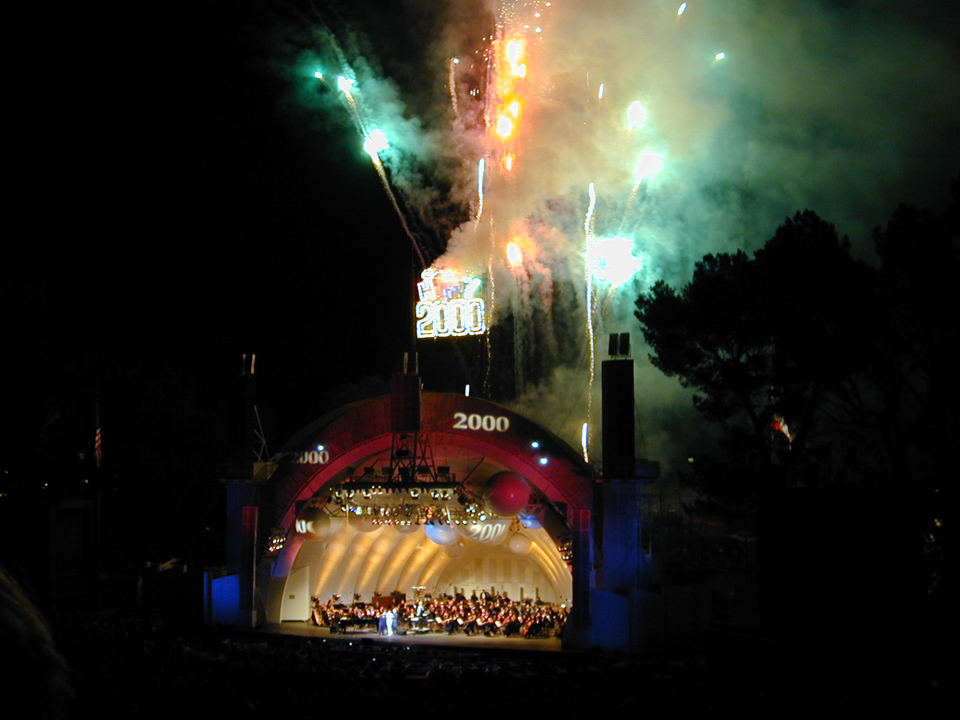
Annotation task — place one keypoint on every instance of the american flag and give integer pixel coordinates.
(98, 438)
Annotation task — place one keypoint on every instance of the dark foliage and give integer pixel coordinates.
(766, 340)
(836, 386)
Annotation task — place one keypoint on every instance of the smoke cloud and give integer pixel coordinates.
(753, 110)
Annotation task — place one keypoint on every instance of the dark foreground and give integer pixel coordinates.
(152, 668)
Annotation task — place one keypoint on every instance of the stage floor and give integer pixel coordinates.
(475, 642)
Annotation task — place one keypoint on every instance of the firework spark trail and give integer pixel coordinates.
(588, 273)
(345, 85)
(648, 165)
(452, 87)
(585, 441)
(548, 346)
(521, 311)
(374, 144)
(374, 140)
(385, 181)
(492, 306)
(481, 171)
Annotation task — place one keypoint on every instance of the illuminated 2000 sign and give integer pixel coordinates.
(500, 423)
(448, 306)
(450, 318)
(314, 457)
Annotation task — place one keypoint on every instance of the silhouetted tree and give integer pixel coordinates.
(767, 340)
(833, 381)
(905, 399)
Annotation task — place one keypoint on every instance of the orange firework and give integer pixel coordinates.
(511, 70)
(514, 255)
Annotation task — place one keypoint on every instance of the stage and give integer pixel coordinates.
(472, 642)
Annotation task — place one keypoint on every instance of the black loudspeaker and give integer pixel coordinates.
(618, 419)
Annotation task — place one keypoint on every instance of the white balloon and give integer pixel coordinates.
(520, 544)
(441, 533)
(314, 523)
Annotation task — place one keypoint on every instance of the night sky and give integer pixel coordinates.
(187, 197)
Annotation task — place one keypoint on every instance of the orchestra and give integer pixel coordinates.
(492, 615)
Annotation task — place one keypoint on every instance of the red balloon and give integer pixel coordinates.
(508, 493)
